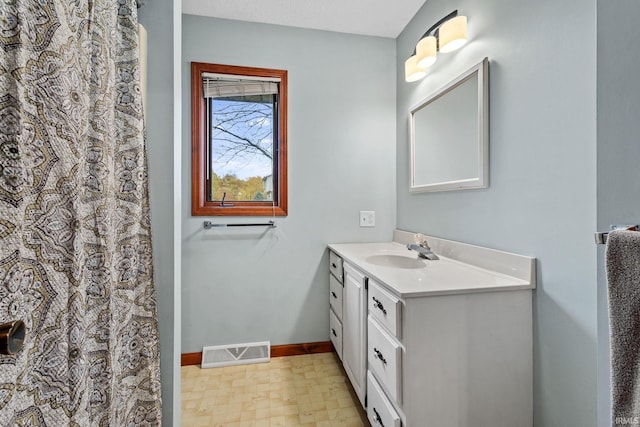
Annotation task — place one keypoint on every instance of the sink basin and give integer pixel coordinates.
(397, 261)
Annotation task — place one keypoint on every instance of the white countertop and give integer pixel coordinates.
(422, 277)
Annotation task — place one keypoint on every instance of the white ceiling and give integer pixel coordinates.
(384, 18)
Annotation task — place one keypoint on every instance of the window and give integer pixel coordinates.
(239, 140)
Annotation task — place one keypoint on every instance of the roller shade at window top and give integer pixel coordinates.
(221, 86)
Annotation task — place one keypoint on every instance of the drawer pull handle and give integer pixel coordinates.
(378, 418)
(333, 331)
(377, 304)
(333, 294)
(378, 355)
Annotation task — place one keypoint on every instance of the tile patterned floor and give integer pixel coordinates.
(310, 390)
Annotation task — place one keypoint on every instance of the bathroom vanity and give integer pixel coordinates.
(444, 343)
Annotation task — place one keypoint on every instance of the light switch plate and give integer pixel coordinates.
(367, 218)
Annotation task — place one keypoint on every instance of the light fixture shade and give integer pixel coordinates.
(412, 72)
(453, 34)
(426, 51)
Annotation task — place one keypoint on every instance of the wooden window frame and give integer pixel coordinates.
(200, 206)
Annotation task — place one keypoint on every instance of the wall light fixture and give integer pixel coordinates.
(446, 35)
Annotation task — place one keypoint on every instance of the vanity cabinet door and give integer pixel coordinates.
(354, 329)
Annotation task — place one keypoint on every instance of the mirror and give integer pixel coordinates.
(449, 135)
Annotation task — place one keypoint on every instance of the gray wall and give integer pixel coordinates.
(618, 149)
(542, 195)
(253, 285)
(157, 17)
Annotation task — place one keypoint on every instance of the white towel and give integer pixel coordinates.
(623, 280)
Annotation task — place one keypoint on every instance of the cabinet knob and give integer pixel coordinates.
(377, 304)
(333, 331)
(378, 355)
(333, 294)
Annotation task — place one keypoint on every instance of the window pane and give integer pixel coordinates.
(238, 141)
(241, 160)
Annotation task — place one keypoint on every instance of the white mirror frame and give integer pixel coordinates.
(481, 70)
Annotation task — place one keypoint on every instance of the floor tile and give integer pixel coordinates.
(309, 390)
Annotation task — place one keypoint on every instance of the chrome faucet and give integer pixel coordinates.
(423, 249)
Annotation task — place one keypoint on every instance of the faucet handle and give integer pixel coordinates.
(421, 239)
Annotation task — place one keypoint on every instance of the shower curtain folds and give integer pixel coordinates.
(75, 235)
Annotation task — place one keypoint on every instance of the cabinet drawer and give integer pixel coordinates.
(385, 308)
(384, 355)
(335, 296)
(379, 410)
(335, 266)
(335, 333)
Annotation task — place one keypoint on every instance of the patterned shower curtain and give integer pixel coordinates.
(75, 242)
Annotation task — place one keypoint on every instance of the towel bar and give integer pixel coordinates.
(601, 236)
(208, 225)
